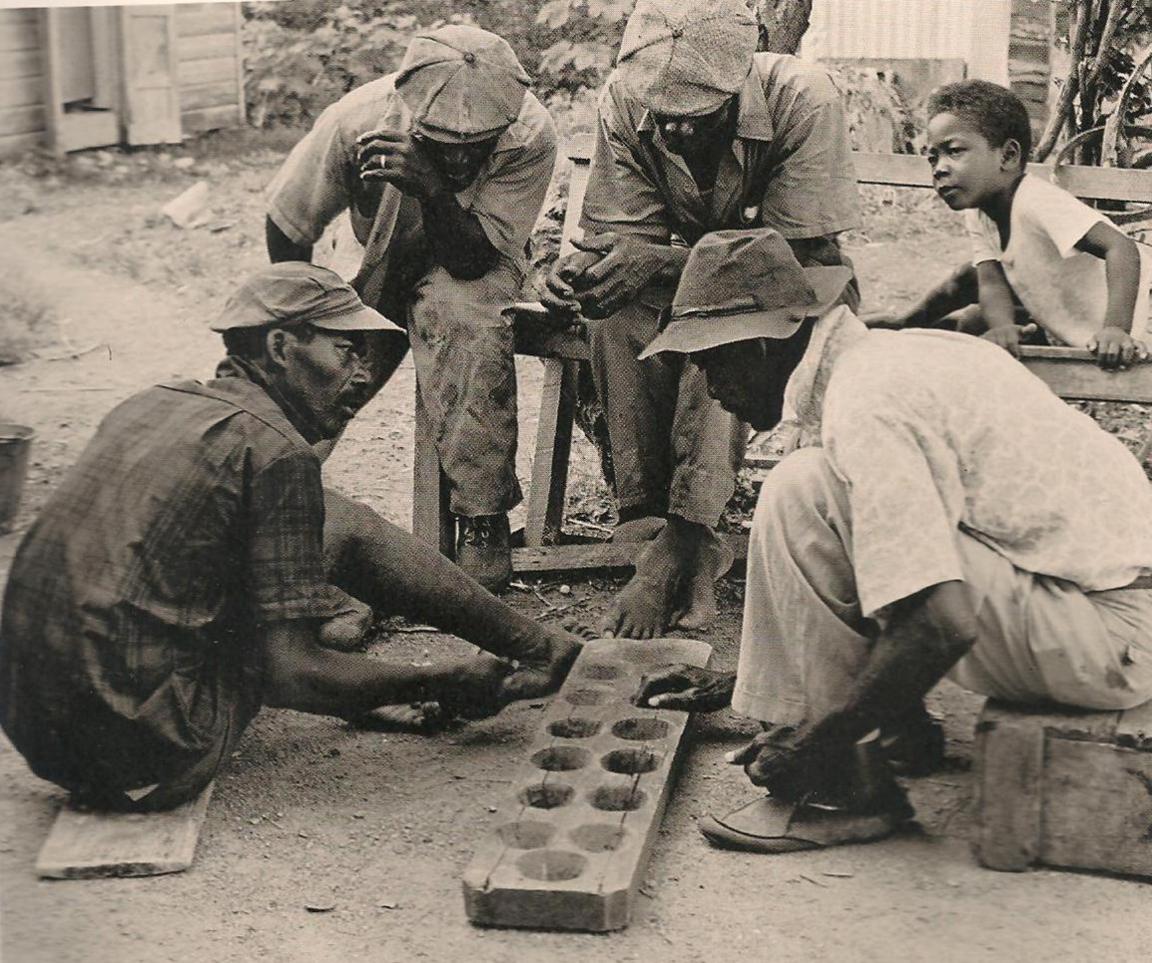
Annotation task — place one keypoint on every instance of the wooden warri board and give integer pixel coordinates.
(586, 804)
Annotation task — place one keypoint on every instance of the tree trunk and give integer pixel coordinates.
(782, 24)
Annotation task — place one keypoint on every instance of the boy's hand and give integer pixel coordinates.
(883, 320)
(1008, 336)
(1116, 348)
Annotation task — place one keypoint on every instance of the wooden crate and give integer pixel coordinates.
(1064, 788)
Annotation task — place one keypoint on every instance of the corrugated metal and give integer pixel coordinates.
(975, 31)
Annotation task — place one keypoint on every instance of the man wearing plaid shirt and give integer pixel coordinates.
(185, 572)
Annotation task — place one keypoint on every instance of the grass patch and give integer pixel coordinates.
(27, 317)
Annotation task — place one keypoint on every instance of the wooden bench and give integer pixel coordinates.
(562, 352)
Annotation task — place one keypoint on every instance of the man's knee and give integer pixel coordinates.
(625, 333)
(803, 482)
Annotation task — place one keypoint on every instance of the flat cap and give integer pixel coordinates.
(296, 292)
(461, 83)
(686, 57)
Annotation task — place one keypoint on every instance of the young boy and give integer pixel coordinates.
(1072, 271)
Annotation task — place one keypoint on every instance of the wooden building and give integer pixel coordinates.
(76, 77)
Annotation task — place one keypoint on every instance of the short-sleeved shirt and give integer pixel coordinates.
(789, 168)
(321, 178)
(1065, 290)
(936, 432)
(194, 516)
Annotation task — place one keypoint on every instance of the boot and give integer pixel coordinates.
(484, 550)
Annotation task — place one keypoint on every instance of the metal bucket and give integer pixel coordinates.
(15, 443)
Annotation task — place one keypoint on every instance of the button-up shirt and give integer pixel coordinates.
(789, 166)
(129, 633)
(936, 432)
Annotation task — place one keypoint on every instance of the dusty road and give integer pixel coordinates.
(381, 825)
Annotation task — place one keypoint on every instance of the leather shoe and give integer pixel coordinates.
(484, 550)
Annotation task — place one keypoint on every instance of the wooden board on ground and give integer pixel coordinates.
(600, 555)
(585, 807)
(89, 844)
(1065, 789)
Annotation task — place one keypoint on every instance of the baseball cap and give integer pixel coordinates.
(296, 292)
(739, 285)
(462, 84)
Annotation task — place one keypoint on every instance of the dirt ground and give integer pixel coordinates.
(382, 825)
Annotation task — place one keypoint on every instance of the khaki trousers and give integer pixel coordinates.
(805, 641)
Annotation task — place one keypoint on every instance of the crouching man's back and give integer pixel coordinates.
(127, 650)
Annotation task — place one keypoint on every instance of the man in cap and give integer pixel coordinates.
(929, 536)
(443, 167)
(697, 132)
(186, 569)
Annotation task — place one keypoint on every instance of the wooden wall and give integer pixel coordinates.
(209, 72)
(210, 75)
(22, 116)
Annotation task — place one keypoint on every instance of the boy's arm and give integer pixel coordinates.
(1114, 345)
(956, 291)
(997, 307)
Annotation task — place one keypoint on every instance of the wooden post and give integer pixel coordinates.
(553, 448)
(431, 520)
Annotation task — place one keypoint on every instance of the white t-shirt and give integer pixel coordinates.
(1064, 289)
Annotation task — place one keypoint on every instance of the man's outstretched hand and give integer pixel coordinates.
(687, 688)
(541, 675)
(472, 689)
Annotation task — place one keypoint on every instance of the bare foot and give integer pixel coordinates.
(644, 607)
(696, 604)
(639, 529)
(420, 717)
(347, 630)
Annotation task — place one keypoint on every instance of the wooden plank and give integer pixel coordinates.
(217, 70)
(910, 170)
(26, 63)
(600, 555)
(152, 100)
(1134, 727)
(18, 31)
(206, 47)
(219, 94)
(1074, 374)
(11, 144)
(208, 118)
(553, 447)
(22, 92)
(199, 19)
(1009, 787)
(22, 120)
(1097, 807)
(534, 337)
(432, 522)
(585, 808)
(85, 844)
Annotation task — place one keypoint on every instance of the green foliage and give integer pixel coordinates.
(584, 37)
(301, 56)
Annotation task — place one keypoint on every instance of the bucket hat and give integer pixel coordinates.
(739, 285)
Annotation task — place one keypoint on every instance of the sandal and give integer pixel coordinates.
(768, 825)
